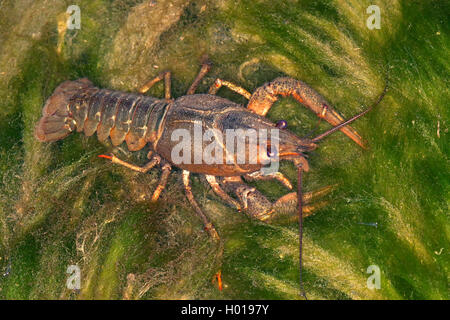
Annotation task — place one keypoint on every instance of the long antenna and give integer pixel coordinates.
(300, 227)
(343, 124)
(299, 182)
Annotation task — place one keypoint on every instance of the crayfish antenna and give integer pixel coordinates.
(300, 227)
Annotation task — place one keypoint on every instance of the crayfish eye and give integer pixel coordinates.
(281, 124)
(271, 151)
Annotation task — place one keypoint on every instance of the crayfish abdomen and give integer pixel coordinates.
(79, 105)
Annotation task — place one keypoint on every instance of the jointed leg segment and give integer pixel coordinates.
(219, 191)
(155, 160)
(208, 225)
(162, 182)
(258, 175)
(206, 66)
(219, 83)
(167, 84)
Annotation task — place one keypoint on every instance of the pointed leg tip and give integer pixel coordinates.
(218, 277)
(105, 156)
(205, 60)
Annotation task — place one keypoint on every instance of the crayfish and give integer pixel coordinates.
(141, 120)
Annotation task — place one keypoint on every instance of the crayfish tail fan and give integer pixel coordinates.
(57, 120)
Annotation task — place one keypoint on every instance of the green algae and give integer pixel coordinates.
(60, 205)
